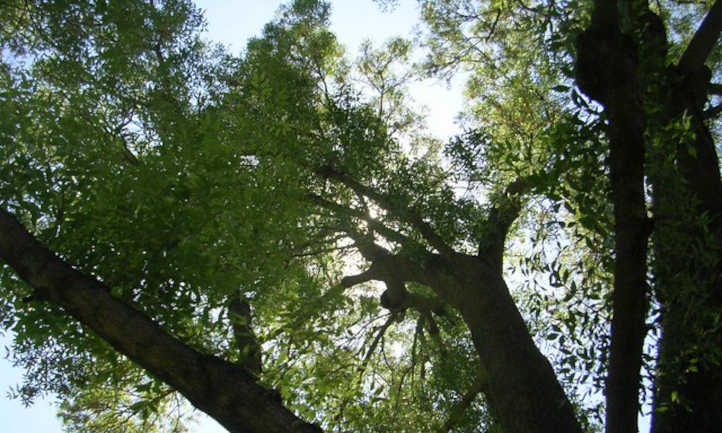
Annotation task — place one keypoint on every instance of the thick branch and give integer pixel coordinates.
(249, 351)
(690, 82)
(698, 157)
(608, 71)
(393, 270)
(225, 391)
(365, 276)
(703, 40)
(501, 217)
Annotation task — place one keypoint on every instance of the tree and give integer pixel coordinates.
(178, 220)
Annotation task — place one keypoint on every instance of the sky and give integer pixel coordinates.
(233, 23)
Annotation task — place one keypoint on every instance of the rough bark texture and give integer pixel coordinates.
(522, 388)
(607, 68)
(225, 391)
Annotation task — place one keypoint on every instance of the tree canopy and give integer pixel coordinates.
(272, 237)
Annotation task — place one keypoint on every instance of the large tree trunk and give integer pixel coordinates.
(523, 391)
(621, 71)
(607, 70)
(687, 251)
(225, 391)
(687, 245)
(522, 388)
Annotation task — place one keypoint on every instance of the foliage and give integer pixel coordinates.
(186, 179)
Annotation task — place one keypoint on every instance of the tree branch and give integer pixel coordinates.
(401, 212)
(703, 40)
(374, 224)
(395, 270)
(480, 383)
(374, 344)
(368, 275)
(434, 332)
(225, 391)
(381, 331)
(500, 219)
(249, 351)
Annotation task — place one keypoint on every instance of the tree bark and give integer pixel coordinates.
(225, 391)
(607, 70)
(522, 388)
(688, 252)
(687, 246)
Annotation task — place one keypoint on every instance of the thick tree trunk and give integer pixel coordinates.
(522, 389)
(687, 241)
(223, 390)
(607, 68)
(687, 245)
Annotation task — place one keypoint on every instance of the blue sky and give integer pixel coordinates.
(232, 23)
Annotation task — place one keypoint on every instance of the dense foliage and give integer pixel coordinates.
(282, 219)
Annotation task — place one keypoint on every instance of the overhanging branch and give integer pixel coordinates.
(225, 391)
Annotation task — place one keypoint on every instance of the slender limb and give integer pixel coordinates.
(374, 224)
(480, 383)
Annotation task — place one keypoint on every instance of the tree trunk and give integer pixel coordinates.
(523, 389)
(607, 70)
(687, 245)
